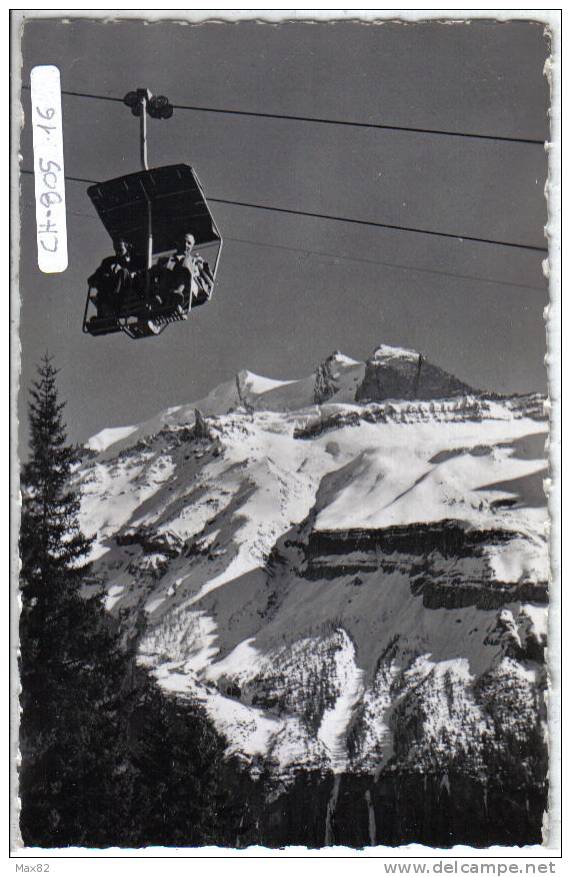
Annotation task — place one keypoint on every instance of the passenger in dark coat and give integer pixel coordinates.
(113, 280)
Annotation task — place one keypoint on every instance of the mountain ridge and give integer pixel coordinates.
(348, 382)
(347, 587)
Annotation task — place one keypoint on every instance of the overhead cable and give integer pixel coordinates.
(322, 121)
(350, 220)
(306, 251)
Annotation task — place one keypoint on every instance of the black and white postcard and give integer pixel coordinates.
(280, 319)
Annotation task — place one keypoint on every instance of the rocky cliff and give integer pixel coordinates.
(399, 373)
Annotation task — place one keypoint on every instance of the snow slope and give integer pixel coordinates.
(346, 585)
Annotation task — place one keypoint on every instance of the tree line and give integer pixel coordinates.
(107, 758)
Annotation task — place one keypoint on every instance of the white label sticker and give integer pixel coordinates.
(48, 169)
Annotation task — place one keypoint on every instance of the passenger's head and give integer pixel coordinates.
(122, 247)
(187, 243)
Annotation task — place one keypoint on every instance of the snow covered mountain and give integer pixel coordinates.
(356, 587)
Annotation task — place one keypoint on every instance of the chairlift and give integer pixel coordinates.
(151, 212)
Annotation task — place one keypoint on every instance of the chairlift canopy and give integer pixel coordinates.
(177, 206)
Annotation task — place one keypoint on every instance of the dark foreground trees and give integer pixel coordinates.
(106, 758)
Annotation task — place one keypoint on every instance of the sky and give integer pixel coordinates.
(292, 289)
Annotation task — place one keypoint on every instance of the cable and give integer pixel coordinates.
(359, 260)
(69, 179)
(440, 234)
(347, 219)
(367, 261)
(320, 121)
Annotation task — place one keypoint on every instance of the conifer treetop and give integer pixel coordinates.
(51, 540)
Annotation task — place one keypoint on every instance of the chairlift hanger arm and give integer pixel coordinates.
(143, 102)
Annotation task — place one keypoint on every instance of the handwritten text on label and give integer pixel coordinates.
(48, 169)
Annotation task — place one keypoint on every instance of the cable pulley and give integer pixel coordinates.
(157, 106)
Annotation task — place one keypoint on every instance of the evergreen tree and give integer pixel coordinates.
(51, 542)
(107, 758)
(178, 791)
(70, 663)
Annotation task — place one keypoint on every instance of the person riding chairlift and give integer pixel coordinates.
(112, 280)
(183, 277)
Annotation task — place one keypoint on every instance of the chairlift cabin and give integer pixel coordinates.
(150, 212)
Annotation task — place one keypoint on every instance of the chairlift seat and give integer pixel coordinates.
(177, 206)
